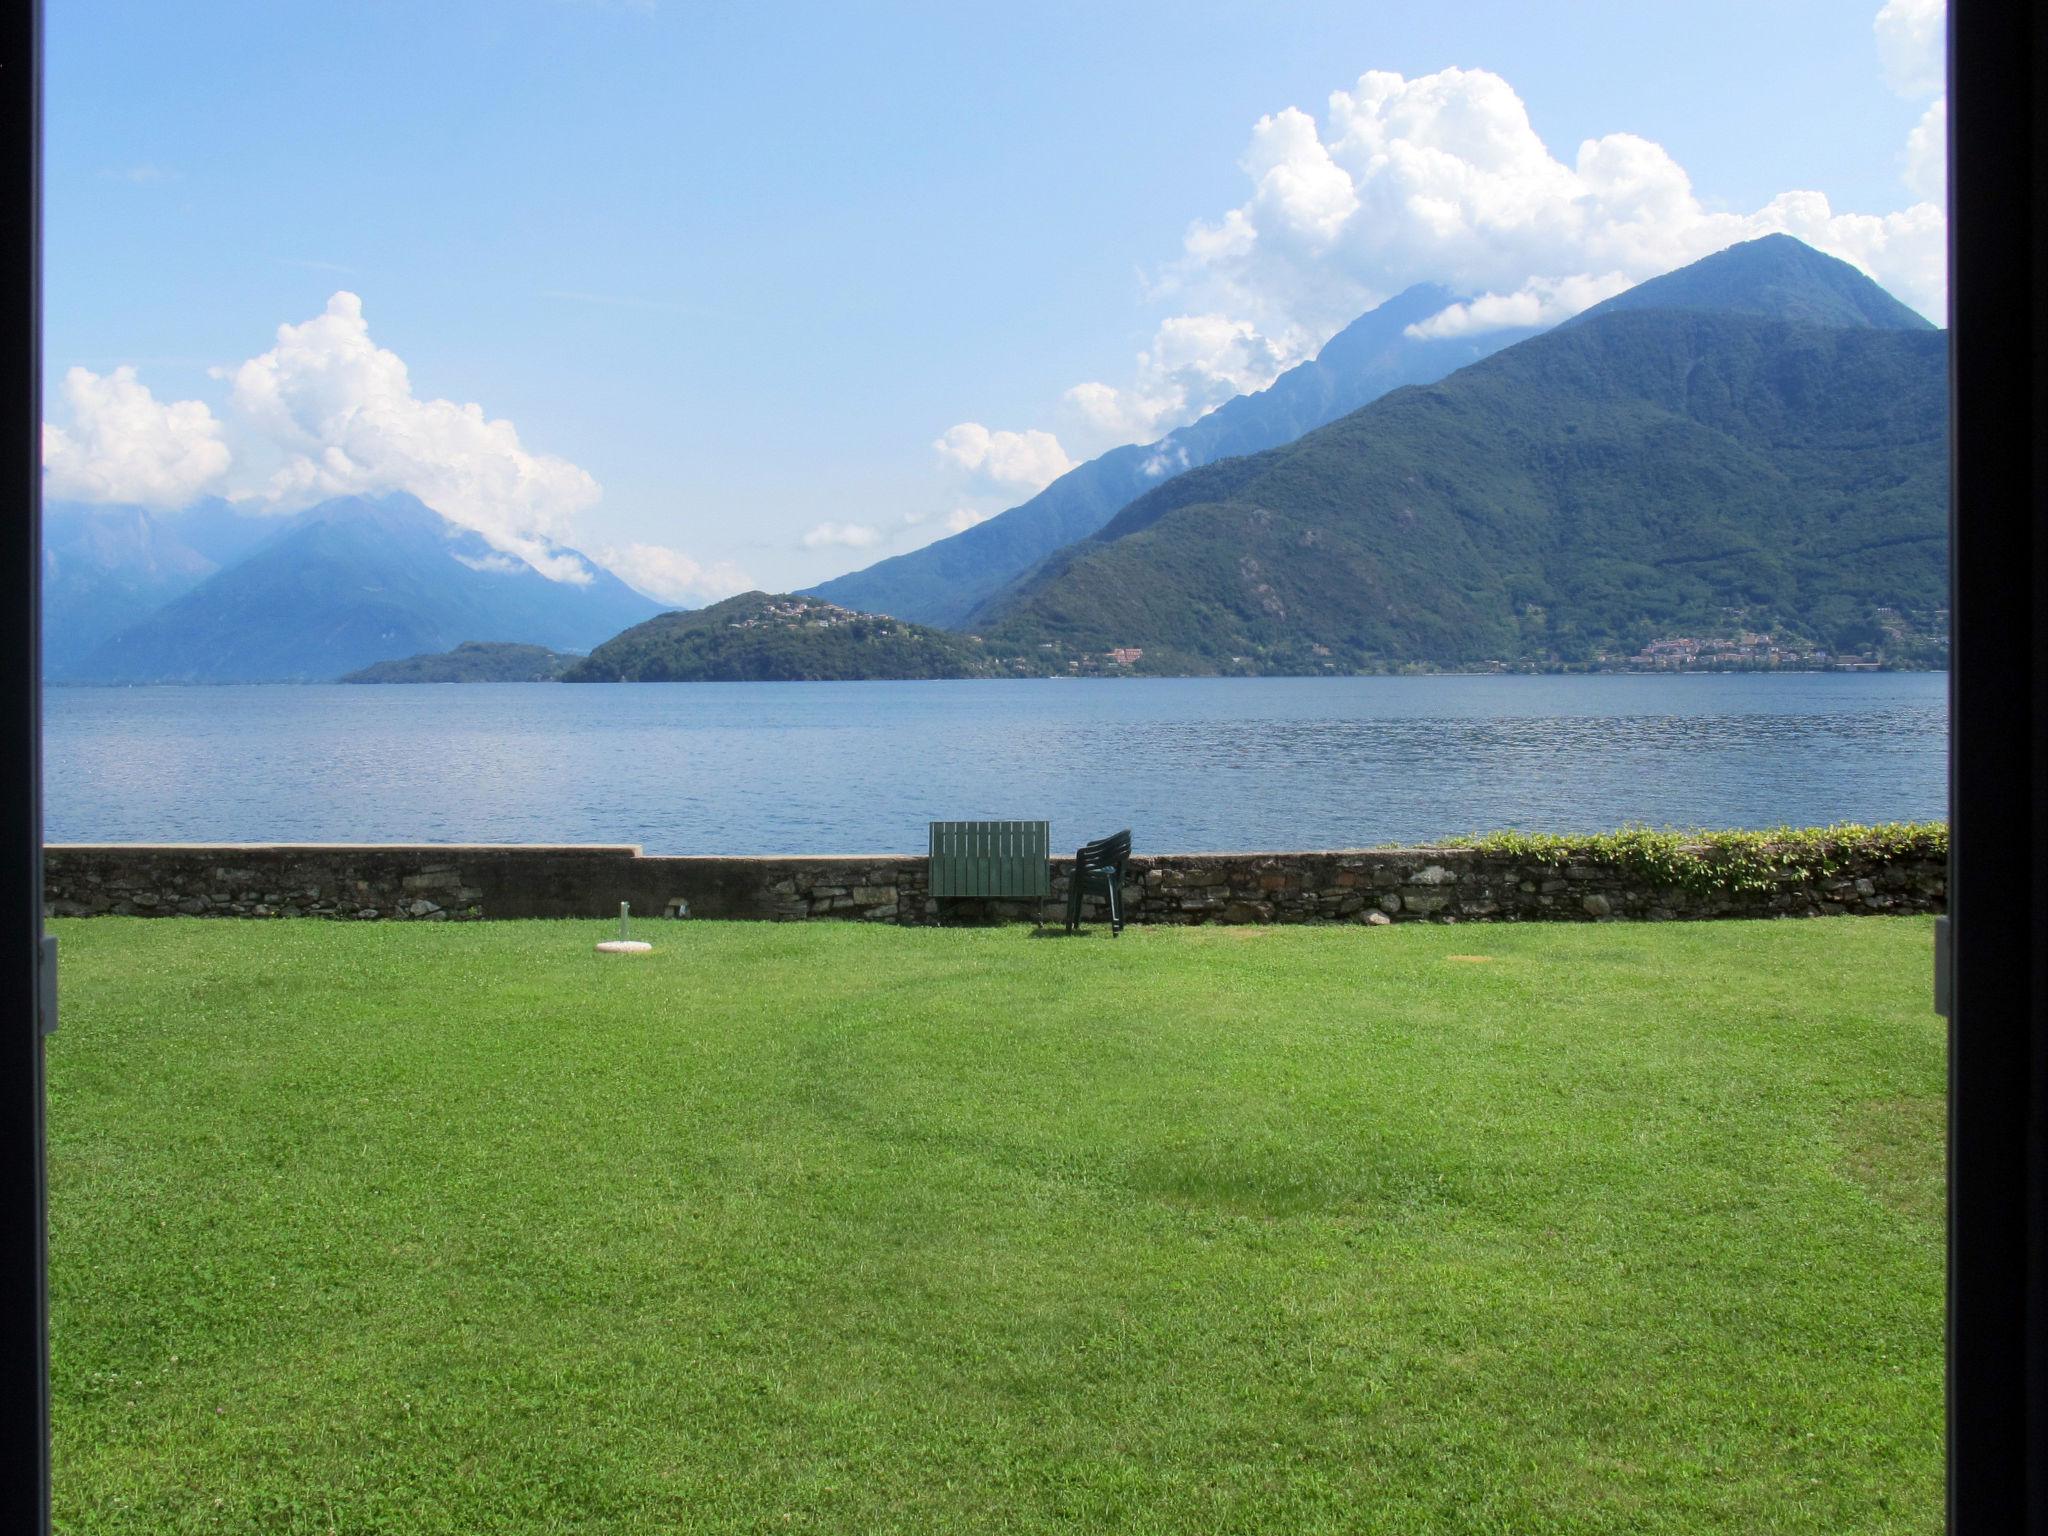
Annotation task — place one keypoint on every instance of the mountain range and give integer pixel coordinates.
(946, 581)
(352, 581)
(1756, 441)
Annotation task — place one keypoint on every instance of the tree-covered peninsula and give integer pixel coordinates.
(765, 637)
(473, 661)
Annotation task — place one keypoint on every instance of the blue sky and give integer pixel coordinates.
(753, 294)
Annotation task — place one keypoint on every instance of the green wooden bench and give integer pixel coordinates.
(1006, 860)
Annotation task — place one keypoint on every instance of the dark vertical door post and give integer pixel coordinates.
(1998, 1042)
(24, 1358)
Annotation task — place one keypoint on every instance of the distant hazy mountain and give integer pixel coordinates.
(354, 581)
(107, 567)
(473, 661)
(768, 637)
(1696, 456)
(104, 567)
(222, 532)
(946, 581)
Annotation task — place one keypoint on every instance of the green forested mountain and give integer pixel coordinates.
(1643, 471)
(473, 661)
(762, 637)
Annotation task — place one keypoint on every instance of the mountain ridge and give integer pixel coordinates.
(1775, 276)
(949, 579)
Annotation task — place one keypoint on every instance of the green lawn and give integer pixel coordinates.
(464, 1228)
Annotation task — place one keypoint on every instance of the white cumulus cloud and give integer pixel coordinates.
(1541, 301)
(841, 535)
(1912, 40)
(125, 445)
(341, 412)
(1300, 195)
(670, 576)
(1195, 363)
(336, 415)
(1450, 182)
(1926, 168)
(1027, 461)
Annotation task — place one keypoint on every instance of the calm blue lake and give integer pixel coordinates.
(1189, 764)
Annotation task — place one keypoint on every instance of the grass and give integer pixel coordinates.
(1515, 1229)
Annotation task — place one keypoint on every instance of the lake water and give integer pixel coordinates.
(1198, 764)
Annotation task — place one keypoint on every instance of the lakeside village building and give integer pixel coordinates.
(1680, 652)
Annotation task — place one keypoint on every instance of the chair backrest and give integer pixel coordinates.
(989, 858)
(1112, 852)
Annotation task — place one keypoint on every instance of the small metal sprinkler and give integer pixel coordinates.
(623, 945)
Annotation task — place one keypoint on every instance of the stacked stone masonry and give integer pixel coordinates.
(1371, 886)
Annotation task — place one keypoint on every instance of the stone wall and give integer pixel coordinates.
(1381, 885)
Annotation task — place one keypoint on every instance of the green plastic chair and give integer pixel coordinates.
(1099, 869)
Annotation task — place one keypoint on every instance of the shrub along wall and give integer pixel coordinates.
(1510, 878)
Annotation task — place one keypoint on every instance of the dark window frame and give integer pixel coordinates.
(1998, 1050)
(24, 1302)
(1998, 770)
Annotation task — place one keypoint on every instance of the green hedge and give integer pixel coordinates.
(1708, 862)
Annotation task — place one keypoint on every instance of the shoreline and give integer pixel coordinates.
(1097, 677)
